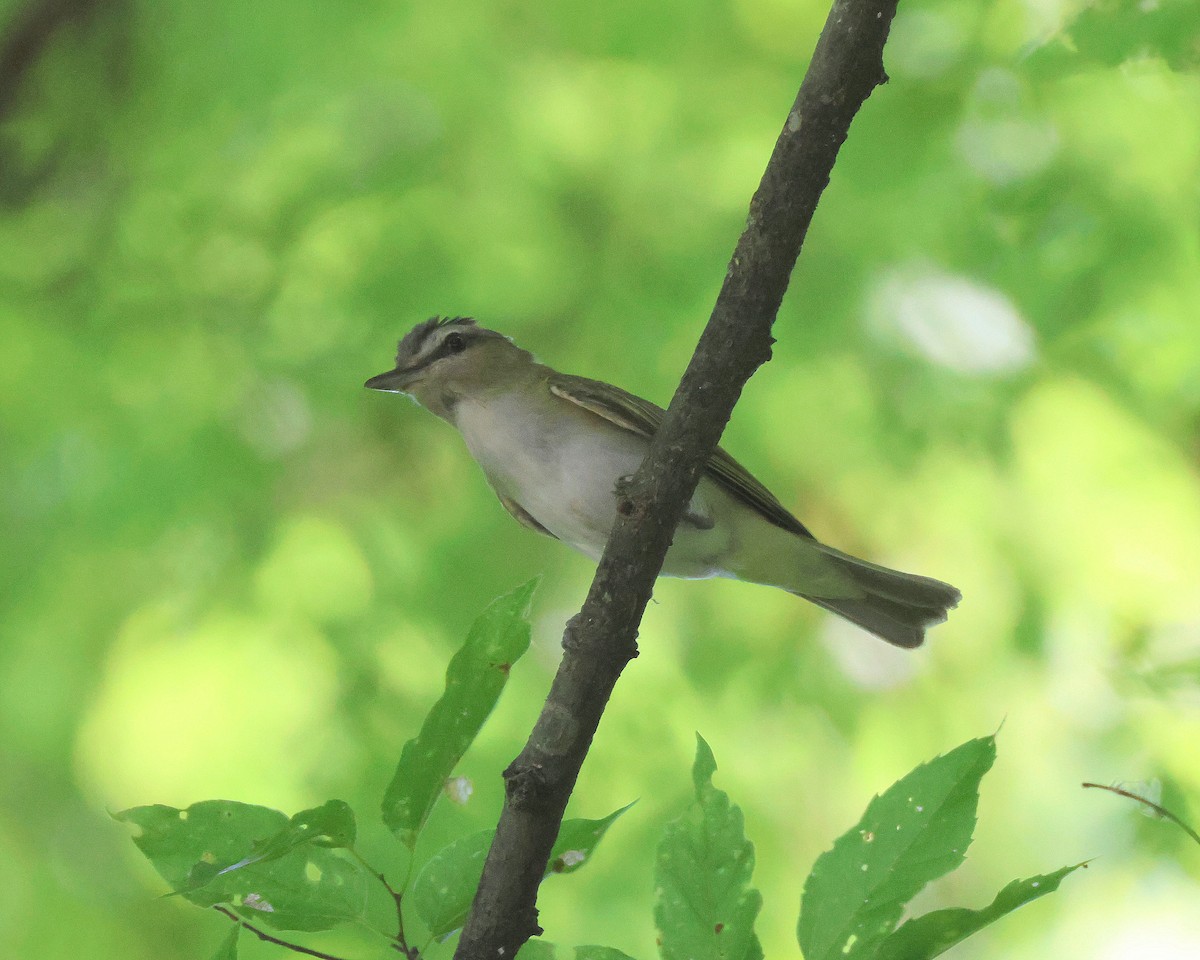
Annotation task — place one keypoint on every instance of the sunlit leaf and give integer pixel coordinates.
(474, 680)
(308, 887)
(705, 908)
(917, 830)
(934, 933)
(445, 887)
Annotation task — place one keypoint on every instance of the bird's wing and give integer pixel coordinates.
(643, 417)
(523, 515)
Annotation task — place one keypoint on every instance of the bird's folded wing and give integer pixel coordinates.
(522, 514)
(643, 417)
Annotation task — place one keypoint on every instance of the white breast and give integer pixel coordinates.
(560, 467)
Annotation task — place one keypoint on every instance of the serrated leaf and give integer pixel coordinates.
(446, 885)
(306, 888)
(474, 679)
(916, 831)
(228, 948)
(934, 933)
(705, 907)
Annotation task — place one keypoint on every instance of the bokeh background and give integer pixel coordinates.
(228, 571)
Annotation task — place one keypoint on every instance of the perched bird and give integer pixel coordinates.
(553, 447)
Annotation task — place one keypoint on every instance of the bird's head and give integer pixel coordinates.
(444, 358)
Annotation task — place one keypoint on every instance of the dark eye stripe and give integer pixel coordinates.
(413, 342)
(454, 342)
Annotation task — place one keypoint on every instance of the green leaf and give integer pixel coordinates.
(209, 854)
(474, 680)
(536, 949)
(577, 839)
(916, 831)
(329, 825)
(705, 907)
(228, 948)
(592, 952)
(446, 885)
(934, 933)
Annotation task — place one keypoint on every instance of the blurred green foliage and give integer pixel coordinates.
(229, 571)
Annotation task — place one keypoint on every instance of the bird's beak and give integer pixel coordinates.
(394, 381)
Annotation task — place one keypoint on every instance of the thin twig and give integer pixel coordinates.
(397, 896)
(263, 935)
(1161, 811)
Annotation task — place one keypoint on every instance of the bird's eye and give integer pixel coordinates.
(454, 343)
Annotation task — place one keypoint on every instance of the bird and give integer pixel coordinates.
(554, 448)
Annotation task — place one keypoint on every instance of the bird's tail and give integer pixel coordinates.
(896, 606)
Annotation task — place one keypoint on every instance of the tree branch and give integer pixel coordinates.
(28, 34)
(846, 66)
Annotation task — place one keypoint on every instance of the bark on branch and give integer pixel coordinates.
(846, 66)
(27, 35)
